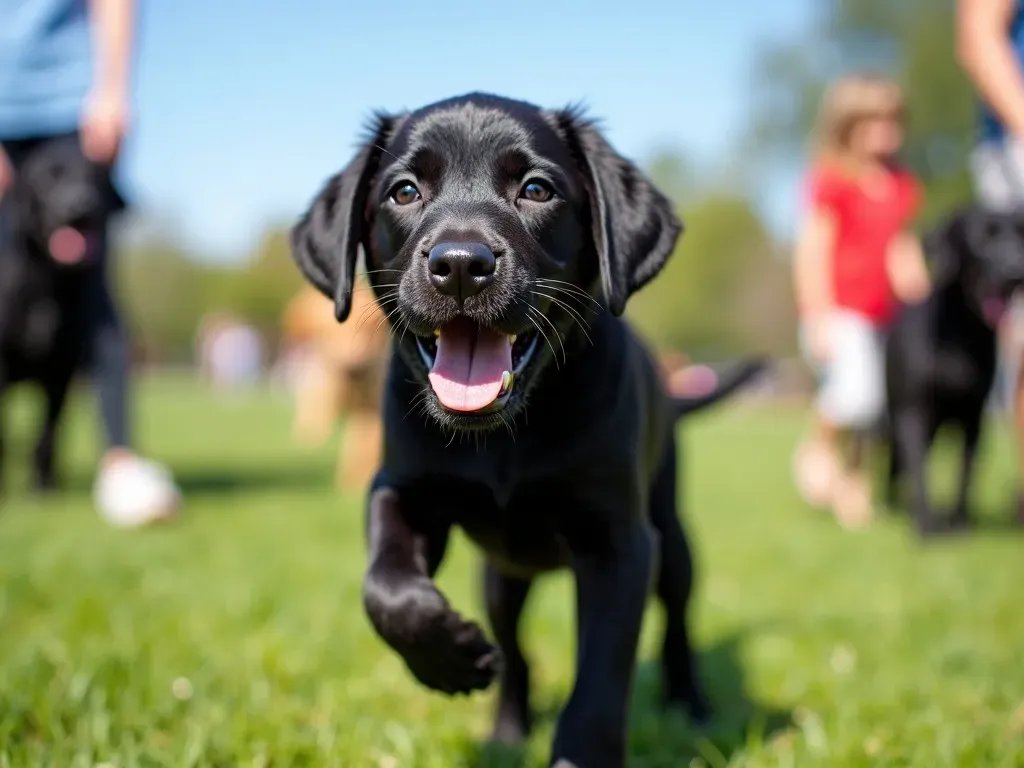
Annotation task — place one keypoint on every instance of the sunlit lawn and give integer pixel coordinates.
(236, 636)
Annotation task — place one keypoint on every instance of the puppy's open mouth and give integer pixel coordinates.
(473, 368)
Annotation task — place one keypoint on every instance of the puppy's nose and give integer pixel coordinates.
(461, 270)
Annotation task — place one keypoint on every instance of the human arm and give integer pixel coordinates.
(812, 274)
(986, 53)
(907, 270)
(106, 114)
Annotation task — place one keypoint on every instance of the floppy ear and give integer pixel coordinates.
(634, 226)
(325, 242)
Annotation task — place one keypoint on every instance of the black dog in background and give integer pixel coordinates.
(55, 215)
(503, 241)
(941, 355)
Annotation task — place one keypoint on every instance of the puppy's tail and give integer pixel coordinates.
(727, 384)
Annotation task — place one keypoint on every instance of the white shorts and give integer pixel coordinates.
(852, 392)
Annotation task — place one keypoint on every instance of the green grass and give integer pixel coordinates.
(236, 636)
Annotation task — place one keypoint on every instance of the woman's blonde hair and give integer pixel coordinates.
(847, 102)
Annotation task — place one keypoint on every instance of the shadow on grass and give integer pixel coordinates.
(252, 479)
(664, 739)
(216, 481)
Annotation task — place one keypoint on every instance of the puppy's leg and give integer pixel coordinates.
(972, 431)
(611, 594)
(56, 394)
(913, 439)
(444, 651)
(680, 684)
(505, 597)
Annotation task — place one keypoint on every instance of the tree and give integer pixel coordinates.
(163, 297)
(691, 305)
(912, 40)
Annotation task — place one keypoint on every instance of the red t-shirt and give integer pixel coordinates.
(865, 223)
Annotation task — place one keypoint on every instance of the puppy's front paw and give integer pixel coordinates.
(442, 650)
(454, 656)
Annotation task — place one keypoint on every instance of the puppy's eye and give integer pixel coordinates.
(405, 194)
(536, 191)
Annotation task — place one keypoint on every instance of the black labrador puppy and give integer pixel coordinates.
(55, 216)
(941, 355)
(503, 241)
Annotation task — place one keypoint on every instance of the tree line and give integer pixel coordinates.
(727, 290)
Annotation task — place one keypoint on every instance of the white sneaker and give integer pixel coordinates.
(132, 492)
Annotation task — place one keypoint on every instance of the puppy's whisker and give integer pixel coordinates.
(368, 311)
(570, 288)
(419, 401)
(386, 151)
(508, 426)
(575, 295)
(546, 319)
(380, 271)
(387, 317)
(572, 312)
(530, 312)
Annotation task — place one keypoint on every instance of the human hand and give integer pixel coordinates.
(104, 124)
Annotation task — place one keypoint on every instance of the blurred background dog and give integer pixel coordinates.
(338, 377)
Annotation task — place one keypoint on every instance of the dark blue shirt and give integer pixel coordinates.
(991, 128)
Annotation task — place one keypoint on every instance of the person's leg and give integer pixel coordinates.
(109, 356)
(854, 402)
(129, 490)
(816, 458)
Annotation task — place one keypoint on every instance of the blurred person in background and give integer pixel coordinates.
(855, 261)
(230, 352)
(65, 69)
(990, 47)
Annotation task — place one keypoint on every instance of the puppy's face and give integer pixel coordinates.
(492, 231)
(62, 202)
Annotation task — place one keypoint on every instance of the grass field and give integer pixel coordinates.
(235, 637)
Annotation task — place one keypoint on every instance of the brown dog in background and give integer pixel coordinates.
(341, 375)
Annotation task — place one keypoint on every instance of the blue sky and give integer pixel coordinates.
(241, 115)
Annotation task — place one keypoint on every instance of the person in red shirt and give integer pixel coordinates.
(856, 260)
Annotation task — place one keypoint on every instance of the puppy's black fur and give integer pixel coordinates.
(941, 354)
(494, 215)
(42, 338)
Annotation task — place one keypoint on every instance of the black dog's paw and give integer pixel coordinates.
(453, 656)
(691, 703)
(442, 650)
(701, 712)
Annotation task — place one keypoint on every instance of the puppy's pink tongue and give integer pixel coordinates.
(469, 365)
(67, 245)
